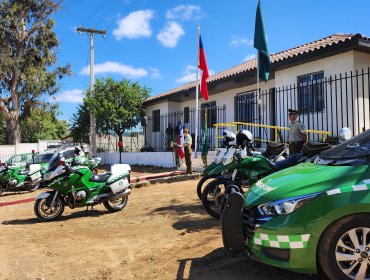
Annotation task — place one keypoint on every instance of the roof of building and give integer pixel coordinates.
(277, 59)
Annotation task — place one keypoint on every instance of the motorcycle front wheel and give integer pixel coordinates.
(45, 213)
(115, 205)
(212, 197)
(203, 182)
(1, 189)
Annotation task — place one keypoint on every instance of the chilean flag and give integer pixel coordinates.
(203, 66)
(180, 141)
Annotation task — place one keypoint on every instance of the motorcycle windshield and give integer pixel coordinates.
(357, 147)
(58, 154)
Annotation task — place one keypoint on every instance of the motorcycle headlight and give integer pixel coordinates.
(285, 206)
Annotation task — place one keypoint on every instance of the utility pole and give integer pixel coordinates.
(92, 32)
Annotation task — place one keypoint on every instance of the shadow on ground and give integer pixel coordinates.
(75, 215)
(219, 264)
(187, 221)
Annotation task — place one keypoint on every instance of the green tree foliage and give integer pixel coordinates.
(42, 124)
(2, 130)
(80, 125)
(117, 105)
(28, 68)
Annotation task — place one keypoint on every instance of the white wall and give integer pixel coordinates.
(164, 159)
(162, 106)
(331, 65)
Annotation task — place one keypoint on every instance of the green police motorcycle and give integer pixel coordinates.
(245, 167)
(78, 186)
(229, 144)
(29, 177)
(308, 218)
(274, 152)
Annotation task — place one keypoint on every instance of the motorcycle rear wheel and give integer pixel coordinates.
(32, 188)
(45, 213)
(116, 205)
(1, 189)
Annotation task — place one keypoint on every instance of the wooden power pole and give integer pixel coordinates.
(91, 32)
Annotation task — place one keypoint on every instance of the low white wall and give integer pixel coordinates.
(164, 159)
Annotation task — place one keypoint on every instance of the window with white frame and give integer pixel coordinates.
(311, 93)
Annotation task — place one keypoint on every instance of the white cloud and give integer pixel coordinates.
(135, 25)
(236, 41)
(155, 73)
(188, 75)
(69, 96)
(184, 12)
(249, 57)
(116, 68)
(170, 34)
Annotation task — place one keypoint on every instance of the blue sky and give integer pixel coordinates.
(154, 41)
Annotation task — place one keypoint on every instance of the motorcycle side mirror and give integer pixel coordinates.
(345, 133)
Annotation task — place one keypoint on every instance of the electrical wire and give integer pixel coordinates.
(114, 8)
(94, 13)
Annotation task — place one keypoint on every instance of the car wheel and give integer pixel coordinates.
(344, 248)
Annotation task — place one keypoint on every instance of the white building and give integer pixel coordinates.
(326, 80)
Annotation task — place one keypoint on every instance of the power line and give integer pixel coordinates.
(94, 13)
(114, 8)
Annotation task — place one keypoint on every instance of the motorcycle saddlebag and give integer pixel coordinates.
(119, 185)
(315, 148)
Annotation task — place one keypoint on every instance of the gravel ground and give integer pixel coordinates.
(163, 233)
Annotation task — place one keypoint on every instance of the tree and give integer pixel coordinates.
(80, 125)
(28, 48)
(3, 129)
(117, 105)
(42, 124)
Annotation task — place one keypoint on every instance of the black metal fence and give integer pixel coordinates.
(324, 103)
(157, 126)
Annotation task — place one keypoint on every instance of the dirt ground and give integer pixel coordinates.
(163, 233)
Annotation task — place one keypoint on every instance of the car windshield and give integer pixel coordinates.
(357, 147)
(41, 158)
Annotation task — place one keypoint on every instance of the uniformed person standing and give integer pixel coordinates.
(187, 149)
(297, 133)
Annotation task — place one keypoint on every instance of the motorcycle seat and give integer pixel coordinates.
(274, 148)
(288, 162)
(100, 177)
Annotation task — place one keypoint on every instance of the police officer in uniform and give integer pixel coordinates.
(187, 149)
(297, 133)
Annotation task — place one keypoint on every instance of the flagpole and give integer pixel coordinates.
(196, 95)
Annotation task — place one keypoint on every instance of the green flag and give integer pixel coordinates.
(204, 139)
(260, 43)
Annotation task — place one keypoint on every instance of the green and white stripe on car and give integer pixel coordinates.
(298, 241)
(365, 186)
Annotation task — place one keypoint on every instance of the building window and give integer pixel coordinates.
(186, 115)
(156, 120)
(211, 113)
(311, 93)
(246, 107)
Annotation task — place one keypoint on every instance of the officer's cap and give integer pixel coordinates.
(291, 112)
